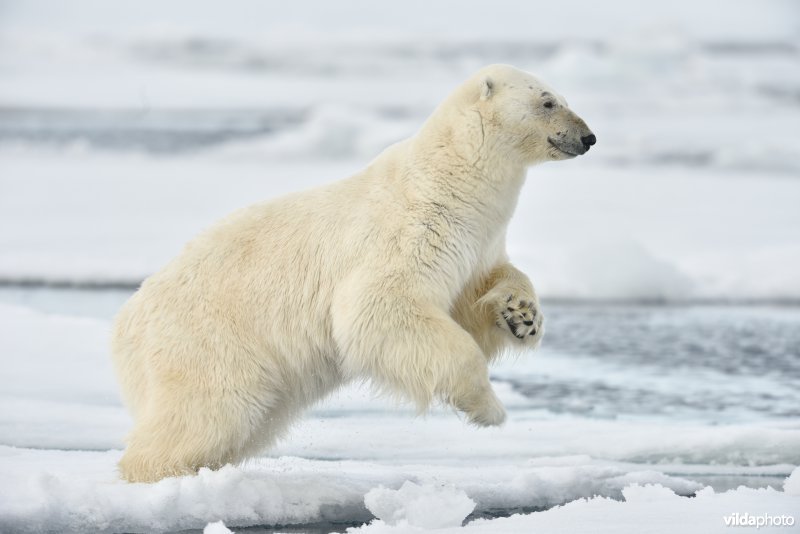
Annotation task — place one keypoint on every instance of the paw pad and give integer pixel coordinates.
(521, 316)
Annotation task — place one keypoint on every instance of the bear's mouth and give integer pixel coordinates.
(567, 152)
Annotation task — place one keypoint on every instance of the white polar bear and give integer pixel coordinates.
(398, 274)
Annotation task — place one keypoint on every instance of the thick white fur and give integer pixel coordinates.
(397, 274)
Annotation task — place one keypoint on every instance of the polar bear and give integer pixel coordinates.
(398, 275)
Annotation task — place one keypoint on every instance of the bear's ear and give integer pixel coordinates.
(487, 88)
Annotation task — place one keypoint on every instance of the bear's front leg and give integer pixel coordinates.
(424, 356)
(501, 311)
(512, 304)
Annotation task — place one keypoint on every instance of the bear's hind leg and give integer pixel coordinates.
(182, 431)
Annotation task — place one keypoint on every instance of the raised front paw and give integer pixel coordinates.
(521, 316)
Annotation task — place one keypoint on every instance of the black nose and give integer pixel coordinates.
(588, 141)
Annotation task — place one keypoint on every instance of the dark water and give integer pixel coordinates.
(734, 340)
(721, 363)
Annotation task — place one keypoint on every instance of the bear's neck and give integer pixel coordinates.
(454, 164)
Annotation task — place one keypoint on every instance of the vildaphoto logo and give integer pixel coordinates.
(758, 521)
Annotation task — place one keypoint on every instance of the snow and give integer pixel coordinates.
(216, 528)
(73, 491)
(426, 507)
(649, 508)
(219, 59)
(792, 484)
(350, 19)
(58, 388)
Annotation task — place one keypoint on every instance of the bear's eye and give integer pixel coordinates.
(548, 105)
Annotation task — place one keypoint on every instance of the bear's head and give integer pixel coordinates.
(525, 116)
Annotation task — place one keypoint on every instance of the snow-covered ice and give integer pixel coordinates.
(72, 491)
(217, 527)
(696, 235)
(792, 484)
(425, 507)
(648, 508)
